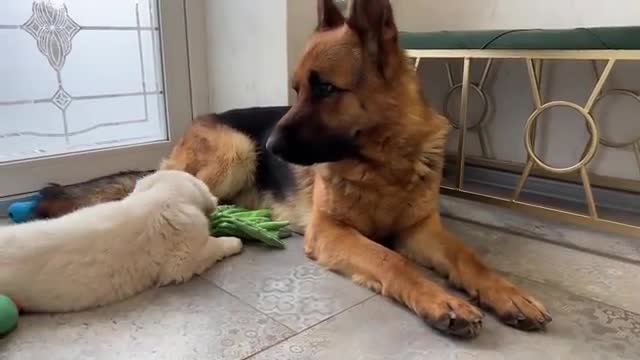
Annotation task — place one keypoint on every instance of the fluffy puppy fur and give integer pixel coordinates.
(105, 253)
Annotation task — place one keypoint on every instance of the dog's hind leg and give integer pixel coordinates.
(431, 245)
(56, 200)
(223, 158)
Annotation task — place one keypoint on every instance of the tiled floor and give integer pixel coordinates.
(271, 304)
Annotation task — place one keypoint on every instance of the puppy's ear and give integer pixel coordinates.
(329, 16)
(373, 21)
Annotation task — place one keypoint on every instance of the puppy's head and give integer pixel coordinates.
(183, 186)
(341, 81)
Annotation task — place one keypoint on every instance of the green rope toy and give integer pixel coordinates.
(255, 225)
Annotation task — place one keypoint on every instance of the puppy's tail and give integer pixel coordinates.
(57, 200)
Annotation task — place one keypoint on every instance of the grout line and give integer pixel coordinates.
(311, 326)
(244, 302)
(544, 240)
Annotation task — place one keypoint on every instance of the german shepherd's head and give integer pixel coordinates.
(351, 83)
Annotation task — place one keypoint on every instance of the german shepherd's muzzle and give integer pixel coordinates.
(302, 138)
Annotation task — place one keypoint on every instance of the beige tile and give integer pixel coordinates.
(382, 330)
(286, 285)
(581, 237)
(610, 281)
(191, 321)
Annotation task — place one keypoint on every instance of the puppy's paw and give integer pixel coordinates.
(231, 245)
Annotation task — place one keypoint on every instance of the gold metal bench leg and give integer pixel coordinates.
(593, 98)
(599, 84)
(634, 145)
(483, 137)
(464, 104)
(589, 151)
(578, 172)
(636, 150)
(534, 73)
(447, 66)
(482, 131)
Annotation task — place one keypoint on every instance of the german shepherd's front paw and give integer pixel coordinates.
(454, 316)
(514, 306)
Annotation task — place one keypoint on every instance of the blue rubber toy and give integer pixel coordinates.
(23, 211)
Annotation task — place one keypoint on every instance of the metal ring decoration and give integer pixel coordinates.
(593, 140)
(485, 106)
(629, 93)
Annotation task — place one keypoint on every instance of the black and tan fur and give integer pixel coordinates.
(357, 162)
(57, 200)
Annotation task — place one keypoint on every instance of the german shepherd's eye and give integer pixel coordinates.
(321, 89)
(324, 90)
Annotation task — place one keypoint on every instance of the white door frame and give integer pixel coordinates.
(23, 177)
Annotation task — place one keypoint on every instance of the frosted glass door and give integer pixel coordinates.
(81, 75)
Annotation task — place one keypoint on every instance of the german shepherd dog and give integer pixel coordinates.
(356, 162)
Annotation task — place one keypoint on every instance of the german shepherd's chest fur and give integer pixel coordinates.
(380, 199)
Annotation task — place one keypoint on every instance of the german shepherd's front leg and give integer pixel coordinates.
(345, 250)
(431, 245)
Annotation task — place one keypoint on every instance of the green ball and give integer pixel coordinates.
(8, 315)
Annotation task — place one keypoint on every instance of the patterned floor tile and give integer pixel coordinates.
(382, 330)
(592, 276)
(625, 247)
(286, 285)
(193, 321)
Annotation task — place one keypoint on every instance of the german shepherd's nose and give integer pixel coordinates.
(302, 143)
(277, 144)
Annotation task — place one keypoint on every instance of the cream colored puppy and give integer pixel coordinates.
(108, 252)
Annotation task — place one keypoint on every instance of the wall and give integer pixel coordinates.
(424, 15)
(561, 133)
(246, 53)
(301, 21)
(197, 39)
(247, 62)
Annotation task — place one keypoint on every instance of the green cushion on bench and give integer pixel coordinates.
(613, 38)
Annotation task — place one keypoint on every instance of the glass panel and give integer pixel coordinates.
(79, 75)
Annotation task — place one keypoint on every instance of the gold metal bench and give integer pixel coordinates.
(611, 45)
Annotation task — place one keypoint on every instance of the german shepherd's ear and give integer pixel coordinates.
(329, 16)
(373, 21)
